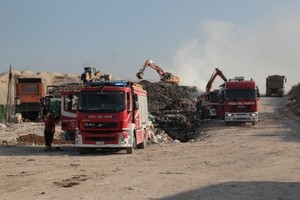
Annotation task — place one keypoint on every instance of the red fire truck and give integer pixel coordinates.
(110, 114)
(241, 100)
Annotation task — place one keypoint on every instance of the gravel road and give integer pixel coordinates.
(241, 162)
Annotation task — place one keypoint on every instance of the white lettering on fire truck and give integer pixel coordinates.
(241, 103)
(100, 116)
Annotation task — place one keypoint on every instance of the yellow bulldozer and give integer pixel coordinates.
(90, 74)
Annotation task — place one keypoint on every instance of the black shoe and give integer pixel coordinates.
(58, 149)
(47, 148)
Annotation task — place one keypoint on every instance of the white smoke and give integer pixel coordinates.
(255, 51)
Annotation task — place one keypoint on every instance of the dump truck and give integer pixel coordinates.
(29, 91)
(275, 85)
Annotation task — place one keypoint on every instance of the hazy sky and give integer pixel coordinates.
(189, 38)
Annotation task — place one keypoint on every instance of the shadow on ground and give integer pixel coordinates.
(16, 150)
(243, 191)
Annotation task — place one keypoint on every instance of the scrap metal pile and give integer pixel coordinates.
(173, 107)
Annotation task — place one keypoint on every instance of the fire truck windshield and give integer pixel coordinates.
(101, 101)
(241, 94)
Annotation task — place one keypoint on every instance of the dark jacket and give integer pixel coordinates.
(50, 123)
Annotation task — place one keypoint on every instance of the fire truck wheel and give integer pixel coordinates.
(129, 150)
(143, 144)
(82, 151)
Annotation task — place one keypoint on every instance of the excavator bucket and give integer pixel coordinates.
(140, 75)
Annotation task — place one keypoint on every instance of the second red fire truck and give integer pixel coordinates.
(235, 101)
(240, 100)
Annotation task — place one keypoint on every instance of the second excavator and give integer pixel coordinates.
(164, 76)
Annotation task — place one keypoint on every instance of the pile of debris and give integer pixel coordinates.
(173, 108)
(295, 91)
(294, 99)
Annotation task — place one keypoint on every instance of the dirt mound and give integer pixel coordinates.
(173, 107)
(33, 139)
(295, 91)
(294, 100)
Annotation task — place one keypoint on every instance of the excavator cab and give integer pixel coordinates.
(170, 78)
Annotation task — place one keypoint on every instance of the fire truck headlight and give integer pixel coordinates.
(78, 137)
(253, 114)
(229, 115)
(121, 138)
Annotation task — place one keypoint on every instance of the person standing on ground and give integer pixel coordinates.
(49, 131)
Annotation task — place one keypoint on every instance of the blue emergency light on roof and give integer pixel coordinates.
(120, 83)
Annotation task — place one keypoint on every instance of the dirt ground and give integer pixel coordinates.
(239, 162)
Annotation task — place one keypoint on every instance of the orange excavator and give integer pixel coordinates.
(208, 105)
(164, 76)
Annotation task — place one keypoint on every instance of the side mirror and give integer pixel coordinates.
(128, 106)
(136, 101)
(136, 105)
(135, 97)
(128, 102)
